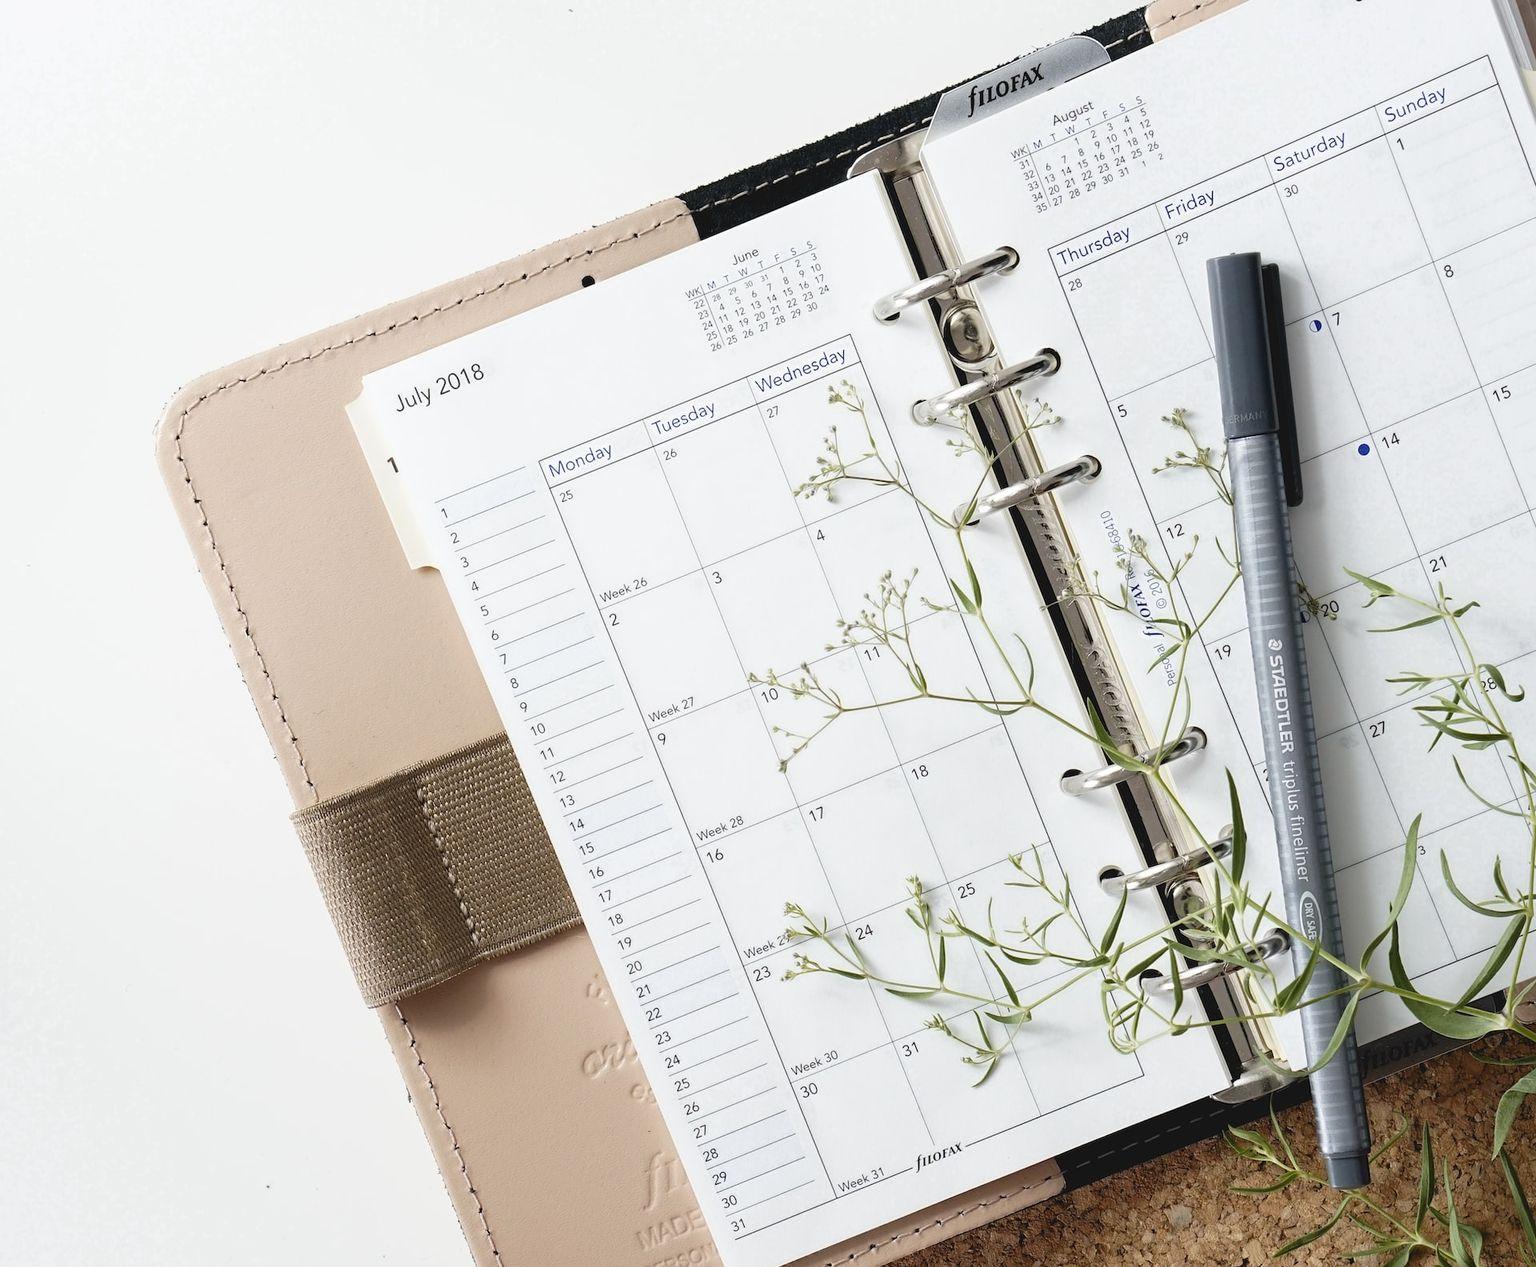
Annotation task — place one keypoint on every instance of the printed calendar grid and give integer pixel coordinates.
(1472, 132)
(892, 1036)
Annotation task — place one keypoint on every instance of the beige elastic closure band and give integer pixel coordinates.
(435, 869)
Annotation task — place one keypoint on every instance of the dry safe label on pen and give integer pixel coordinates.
(1020, 79)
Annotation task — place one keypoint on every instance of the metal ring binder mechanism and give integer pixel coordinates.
(923, 289)
(1271, 944)
(1179, 867)
(1085, 468)
(1077, 782)
(1025, 493)
(935, 408)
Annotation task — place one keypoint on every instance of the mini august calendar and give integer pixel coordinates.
(1087, 146)
(650, 564)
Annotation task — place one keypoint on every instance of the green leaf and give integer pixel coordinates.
(1108, 939)
(1285, 1140)
(1409, 624)
(1426, 1178)
(975, 582)
(1495, 675)
(943, 958)
(1400, 898)
(1247, 1136)
(909, 994)
(1340, 1033)
(1378, 1250)
(1452, 1024)
(1522, 1205)
(1139, 969)
(1239, 832)
(1509, 1108)
(1317, 1233)
(1450, 883)
(986, 1073)
(1474, 1239)
(1386, 1145)
(1452, 1221)
(1377, 589)
(1013, 995)
(1514, 929)
(1286, 1000)
(1478, 796)
(962, 598)
(1259, 1190)
(1023, 960)
(1499, 881)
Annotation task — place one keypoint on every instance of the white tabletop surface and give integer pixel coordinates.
(186, 1074)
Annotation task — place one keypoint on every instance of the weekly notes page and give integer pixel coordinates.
(1379, 153)
(615, 485)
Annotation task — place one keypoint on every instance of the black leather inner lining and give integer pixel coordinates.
(776, 182)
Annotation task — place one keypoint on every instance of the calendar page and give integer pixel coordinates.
(1379, 153)
(611, 483)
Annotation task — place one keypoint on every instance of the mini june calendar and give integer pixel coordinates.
(762, 290)
(643, 558)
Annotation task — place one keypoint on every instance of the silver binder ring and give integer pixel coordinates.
(1076, 782)
(1271, 944)
(1175, 869)
(939, 407)
(1002, 260)
(1085, 468)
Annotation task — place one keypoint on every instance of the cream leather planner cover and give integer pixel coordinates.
(522, 1075)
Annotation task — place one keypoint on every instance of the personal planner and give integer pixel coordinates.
(697, 521)
(639, 565)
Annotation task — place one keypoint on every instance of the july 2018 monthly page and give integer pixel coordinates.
(615, 488)
(1379, 153)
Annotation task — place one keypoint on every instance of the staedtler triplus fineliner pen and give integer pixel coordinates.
(1245, 317)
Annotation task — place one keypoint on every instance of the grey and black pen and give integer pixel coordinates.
(1265, 473)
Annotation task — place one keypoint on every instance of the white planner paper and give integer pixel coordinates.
(1379, 152)
(609, 482)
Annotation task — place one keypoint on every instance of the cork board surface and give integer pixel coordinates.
(1176, 1210)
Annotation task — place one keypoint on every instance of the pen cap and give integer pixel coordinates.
(1240, 321)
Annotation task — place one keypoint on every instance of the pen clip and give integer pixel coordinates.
(1285, 399)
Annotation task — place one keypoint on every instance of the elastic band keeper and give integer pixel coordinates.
(435, 869)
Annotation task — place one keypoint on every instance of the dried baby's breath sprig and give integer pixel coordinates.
(1211, 459)
(964, 441)
(836, 466)
(1462, 707)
